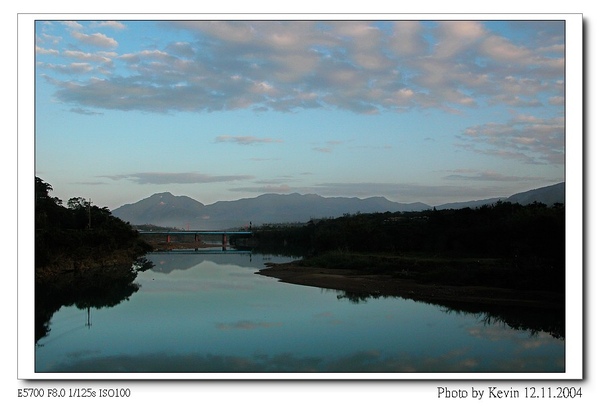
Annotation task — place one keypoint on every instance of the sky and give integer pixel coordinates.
(412, 110)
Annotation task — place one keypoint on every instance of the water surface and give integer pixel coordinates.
(210, 312)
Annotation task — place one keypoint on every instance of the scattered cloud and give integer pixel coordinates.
(97, 39)
(44, 51)
(110, 24)
(76, 68)
(329, 146)
(526, 138)
(470, 174)
(264, 189)
(246, 140)
(90, 183)
(86, 112)
(165, 178)
(74, 25)
(362, 66)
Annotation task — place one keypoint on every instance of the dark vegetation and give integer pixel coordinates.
(84, 256)
(503, 245)
(79, 235)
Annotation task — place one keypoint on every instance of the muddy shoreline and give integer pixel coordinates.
(382, 284)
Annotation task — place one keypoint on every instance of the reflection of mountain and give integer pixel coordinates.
(167, 262)
(164, 209)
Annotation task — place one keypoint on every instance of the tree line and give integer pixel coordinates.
(503, 244)
(78, 231)
(502, 229)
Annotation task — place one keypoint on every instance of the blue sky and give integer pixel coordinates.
(430, 111)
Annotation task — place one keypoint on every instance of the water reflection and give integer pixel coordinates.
(372, 361)
(93, 288)
(531, 320)
(211, 313)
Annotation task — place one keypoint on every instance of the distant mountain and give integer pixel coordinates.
(472, 204)
(165, 209)
(547, 195)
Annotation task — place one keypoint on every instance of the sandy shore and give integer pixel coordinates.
(389, 285)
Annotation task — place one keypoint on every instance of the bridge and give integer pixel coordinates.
(196, 233)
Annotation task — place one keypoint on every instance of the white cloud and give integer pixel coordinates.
(97, 39)
(101, 57)
(361, 66)
(500, 49)
(70, 69)
(74, 25)
(110, 24)
(527, 138)
(455, 37)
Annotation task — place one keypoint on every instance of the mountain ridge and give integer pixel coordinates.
(166, 209)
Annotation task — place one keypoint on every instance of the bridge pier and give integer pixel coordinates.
(198, 234)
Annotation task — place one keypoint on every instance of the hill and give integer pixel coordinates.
(165, 209)
(547, 195)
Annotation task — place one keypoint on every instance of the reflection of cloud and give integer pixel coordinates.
(455, 361)
(245, 325)
(499, 331)
(326, 317)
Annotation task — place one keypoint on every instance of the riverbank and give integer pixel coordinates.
(392, 284)
(64, 267)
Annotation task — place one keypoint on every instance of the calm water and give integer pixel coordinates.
(210, 312)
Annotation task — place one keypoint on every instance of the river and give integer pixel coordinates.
(209, 312)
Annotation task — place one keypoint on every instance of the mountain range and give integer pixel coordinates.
(165, 209)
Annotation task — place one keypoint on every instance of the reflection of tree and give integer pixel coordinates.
(532, 320)
(97, 288)
(355, 297)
